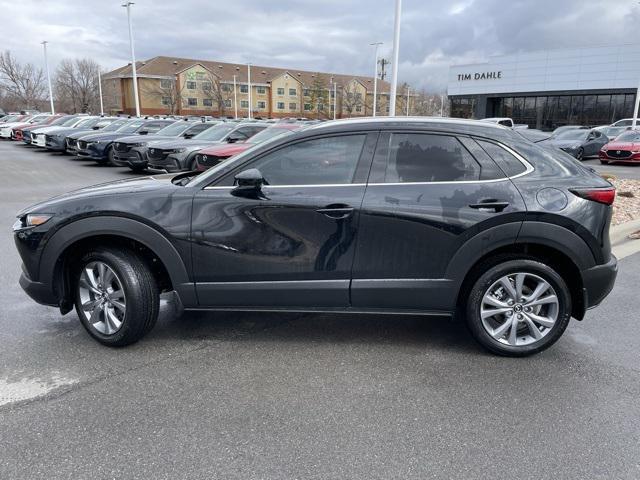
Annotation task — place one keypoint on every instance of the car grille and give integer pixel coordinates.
(121, 147)
(71, 142)
(209, 160)
(157, 154)
(82, 144)
(618, 153)
(34, 136)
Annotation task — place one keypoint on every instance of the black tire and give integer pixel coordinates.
(492, 272)
(140, 289)
(110, 155)
(604, 162)
(580, 154)
(138, 169)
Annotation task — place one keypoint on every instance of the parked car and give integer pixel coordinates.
(60, 120)
(505, 122)
(6, 128)
(565, 128)
(57, 141)
(17, 132)
(132, 151)
(71, 140)
(211, 156)
(99, 146)
(12, 118)
(39, 135)
(421, 216)
(179, 155)
(616, 128)
(580, 143)
(624, 149)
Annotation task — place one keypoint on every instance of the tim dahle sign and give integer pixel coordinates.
(479, 76)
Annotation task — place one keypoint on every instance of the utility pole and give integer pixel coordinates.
(133, 59)
(375, 78)
(383, 63)
(408, 89)
(249, 82)
(46, 66)
(394, 60)
(235, 97)
(100, 93)
(441, 105)
(335, 99)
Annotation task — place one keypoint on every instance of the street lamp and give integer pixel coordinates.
(235, 97)
(375, 78)
(100, 93)
(133, 59)
(46, 66)
(249, 83)
(396, 55)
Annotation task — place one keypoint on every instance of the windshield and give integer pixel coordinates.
(573, 135)
(629, 137)
(68, 122)
(269, 133)
(8, 118)
(88, 123)
(175, 129)
(216, 133)
(39, 118)
(131, 127)
(113, 126)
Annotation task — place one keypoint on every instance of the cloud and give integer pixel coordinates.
(330, 35)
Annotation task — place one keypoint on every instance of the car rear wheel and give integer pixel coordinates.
(117, 297)
(604, 162)
(580, 154)
(518, 307)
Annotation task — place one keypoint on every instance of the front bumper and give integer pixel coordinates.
(170, 164)
(633, 158)
(55, 144)
(39, 292)
(93, 151)
(598, 282)
(131, 159)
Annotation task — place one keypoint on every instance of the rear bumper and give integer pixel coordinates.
(598, 282)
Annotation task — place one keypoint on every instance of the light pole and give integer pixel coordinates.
(441, 105)
(235, 97)
(133, 59)
(249, 82)
(46, 66)
(100, 93)
(396, 55)
(408, 89)
(335, 100)
(375, 78)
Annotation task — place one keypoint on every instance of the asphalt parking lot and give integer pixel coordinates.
(619, 170)
(273, 396)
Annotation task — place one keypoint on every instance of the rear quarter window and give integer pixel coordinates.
(507, 162)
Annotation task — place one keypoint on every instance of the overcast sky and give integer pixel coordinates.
(316, 35)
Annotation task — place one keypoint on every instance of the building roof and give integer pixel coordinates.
(170, 66)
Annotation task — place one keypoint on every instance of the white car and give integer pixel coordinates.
(6, 128)
(505, 122)
(616, 128)
(38, 135)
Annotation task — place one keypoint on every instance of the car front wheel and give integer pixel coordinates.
(518, 307)
(117, 296)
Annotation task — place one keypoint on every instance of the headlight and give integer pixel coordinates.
(35, 219)
(141, 144)
(178, 150)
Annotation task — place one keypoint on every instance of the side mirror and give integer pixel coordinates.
(232, 139)
(95, 128)
(249, 180)
(187, 135)
(143, 132)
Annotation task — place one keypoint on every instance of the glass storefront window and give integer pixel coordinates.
(629, 103)
(617, 108)
(507, 107)
(589, 109)
(601, 116)
(562, 113)
(575, 114)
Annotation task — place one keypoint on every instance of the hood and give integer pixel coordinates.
(192, 143)
(12, 124)
(47, 130)
(144, 138)
(19, 126)
(633, 146)
(566, 143)
(65, 131)
(135, 185)
(226, 149)
(105, 136)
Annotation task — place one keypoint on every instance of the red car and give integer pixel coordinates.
(625, 148)
(210, 157)
(16, 131)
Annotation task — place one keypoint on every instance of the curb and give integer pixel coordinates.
(619, 233)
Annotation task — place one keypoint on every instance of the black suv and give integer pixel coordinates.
(380, 215)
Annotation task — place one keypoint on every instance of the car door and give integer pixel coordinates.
(292, 242)
(428, 194)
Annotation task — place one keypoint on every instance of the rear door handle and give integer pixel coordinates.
(336, 211)
(490, 205)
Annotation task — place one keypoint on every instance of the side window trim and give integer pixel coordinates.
(361, 171)
(528, 167)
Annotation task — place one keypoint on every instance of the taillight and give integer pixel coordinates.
(600, 195)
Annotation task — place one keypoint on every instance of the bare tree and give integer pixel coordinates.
(212, 90)
(76, 85)
(24, 83)
(167, 91)
(351, 98)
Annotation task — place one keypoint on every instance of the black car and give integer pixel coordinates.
(99, 146)
(132, 151)
(386, 215)
(71, 140)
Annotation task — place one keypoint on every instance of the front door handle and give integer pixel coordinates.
(490, 205)
(336, 211)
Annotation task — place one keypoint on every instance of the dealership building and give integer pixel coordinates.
(548, 89)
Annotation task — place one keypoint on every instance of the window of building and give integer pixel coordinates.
(417, 157)
(227, 103)
(358, 108)
(293, 92)
(226, 87)
(280, 105)
(320, 107)
(307, 107)
(192, 102)
(293, 106)
(200, 75)
(206, 86)
(166, 83)
(280, 91)
(166, 100)
(244, 104)
(262, 105)
(323, 161)
(261, 90)
(244, 88)
(191, 85)
(207, 102)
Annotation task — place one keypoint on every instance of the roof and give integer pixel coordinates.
(171, 66)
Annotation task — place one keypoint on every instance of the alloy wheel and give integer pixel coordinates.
(519, 309)
(102, 298)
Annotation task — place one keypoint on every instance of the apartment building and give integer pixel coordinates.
(181, 86)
